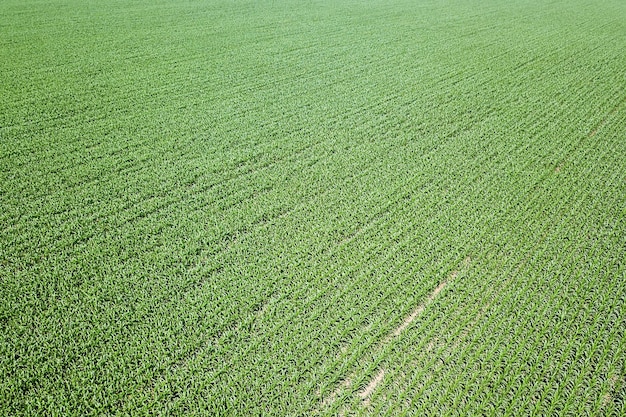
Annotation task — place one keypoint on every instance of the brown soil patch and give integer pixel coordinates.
(333, 395)
(420, 308)
(369, 388)
(608, 397)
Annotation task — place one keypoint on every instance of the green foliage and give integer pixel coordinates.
(230, 207)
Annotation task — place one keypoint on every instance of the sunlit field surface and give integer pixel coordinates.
(313, 207)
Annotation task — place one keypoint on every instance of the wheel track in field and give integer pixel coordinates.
(285, 320)
(494, 291)
(335, 394)
(344, 385)
(371, 386)
(469, 319)
(215, 271)
(471, 316)
(375, 216)
(572, 211)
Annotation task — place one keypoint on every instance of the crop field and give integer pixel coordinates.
(313, 207)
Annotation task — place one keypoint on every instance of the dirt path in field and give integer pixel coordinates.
(411, 317)
(420, 308)
(366, 393)
(608, 397)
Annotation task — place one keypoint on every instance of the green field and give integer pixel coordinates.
(313, 207)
